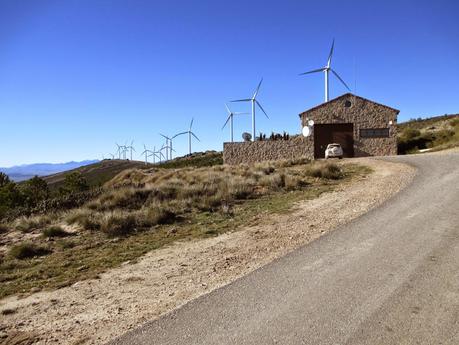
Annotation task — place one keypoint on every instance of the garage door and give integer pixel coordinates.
(341, 133)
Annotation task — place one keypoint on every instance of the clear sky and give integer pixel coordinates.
(78, 75)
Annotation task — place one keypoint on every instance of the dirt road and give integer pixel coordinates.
(389, 277)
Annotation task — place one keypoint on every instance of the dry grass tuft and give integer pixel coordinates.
(28, 250)
(55, 231)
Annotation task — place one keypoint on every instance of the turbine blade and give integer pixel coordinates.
(331, 54)
(195, 136)
(229, 117)
(228, 109)
(258, 89)
(341, 80)
(242, 100)
(258, 103)
(181, 133)
(313, 71)
(191, 123)
(241, 113)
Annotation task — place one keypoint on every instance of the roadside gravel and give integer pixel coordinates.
(95, 311)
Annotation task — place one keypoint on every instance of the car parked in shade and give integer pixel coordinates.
(334, 151)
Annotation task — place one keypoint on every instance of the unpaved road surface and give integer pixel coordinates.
(95, 311)
(389, 277)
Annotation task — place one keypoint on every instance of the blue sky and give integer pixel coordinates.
(78, 75)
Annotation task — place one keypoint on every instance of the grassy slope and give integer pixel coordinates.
(89, 253)
(99, 173)
(435, 133)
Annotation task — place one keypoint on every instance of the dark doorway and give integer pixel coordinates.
(341, 133)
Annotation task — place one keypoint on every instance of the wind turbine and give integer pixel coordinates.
(326, 70)
(168, 145)
(131, 148)
(254, 102)
(146, 152)
(230, 119)
(190, 133)
(112, 155)
(119, 150)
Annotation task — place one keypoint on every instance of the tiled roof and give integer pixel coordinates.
(343, 96)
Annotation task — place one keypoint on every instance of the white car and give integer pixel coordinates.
(334, 151)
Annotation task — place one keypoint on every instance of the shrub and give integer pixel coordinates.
(28, 250)
(3, 229)
(74, 182)
(35, 190)
(411, 133)
(85, 218)
(27, 224)
(328, 171)
(118, 224)
(55, 231)
(157, 215)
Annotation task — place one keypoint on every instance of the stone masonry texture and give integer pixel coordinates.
(348, 108)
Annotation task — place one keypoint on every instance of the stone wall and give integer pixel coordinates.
(363, 113)
(267, 150)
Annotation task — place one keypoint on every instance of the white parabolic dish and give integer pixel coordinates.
(306, 131)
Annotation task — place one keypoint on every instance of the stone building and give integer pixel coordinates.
(361, 126)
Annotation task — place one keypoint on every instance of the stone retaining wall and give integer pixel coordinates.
(267, 150)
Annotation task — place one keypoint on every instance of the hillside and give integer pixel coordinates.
(430, 134)
(23, 172)
(99, 173)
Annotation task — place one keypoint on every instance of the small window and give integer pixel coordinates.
(347, 104)
(374, 132)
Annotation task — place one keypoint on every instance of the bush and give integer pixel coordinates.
(86, 219)
(328, 171)
(55, 231)
(3, 229)
(27, 250)
(27, 224)
(118, 224)
(74, 182)
(410, 133)
(34, 191)
(156, 216)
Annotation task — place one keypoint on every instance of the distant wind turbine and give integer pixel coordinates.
(190, 133)
(230, 119)
(146, 152)
(131, 148)
(254, 102)
(326, 70)
(168, 145)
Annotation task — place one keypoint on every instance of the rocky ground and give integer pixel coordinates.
(95, 311)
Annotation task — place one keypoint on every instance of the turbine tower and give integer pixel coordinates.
(190, 133)
(146, 152)
(230, 119)
(326, 70)
(168, 145)
(131, 148)
(254, 102)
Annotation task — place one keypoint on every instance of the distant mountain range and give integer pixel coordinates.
(26, 171)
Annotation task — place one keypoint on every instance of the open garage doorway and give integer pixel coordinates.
(341, 133)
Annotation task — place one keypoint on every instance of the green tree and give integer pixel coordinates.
(35, 190)
(10, 195)
(74, 182)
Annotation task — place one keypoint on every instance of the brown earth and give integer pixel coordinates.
(95, 311)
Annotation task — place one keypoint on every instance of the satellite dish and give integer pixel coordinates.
(311, 123)
(246, 136)
(306, 131)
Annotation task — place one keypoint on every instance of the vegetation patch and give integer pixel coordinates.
(434, 134)
(55, 231)
(28, 250)
(142, 210)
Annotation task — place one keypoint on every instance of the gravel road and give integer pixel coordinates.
(388, 277)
